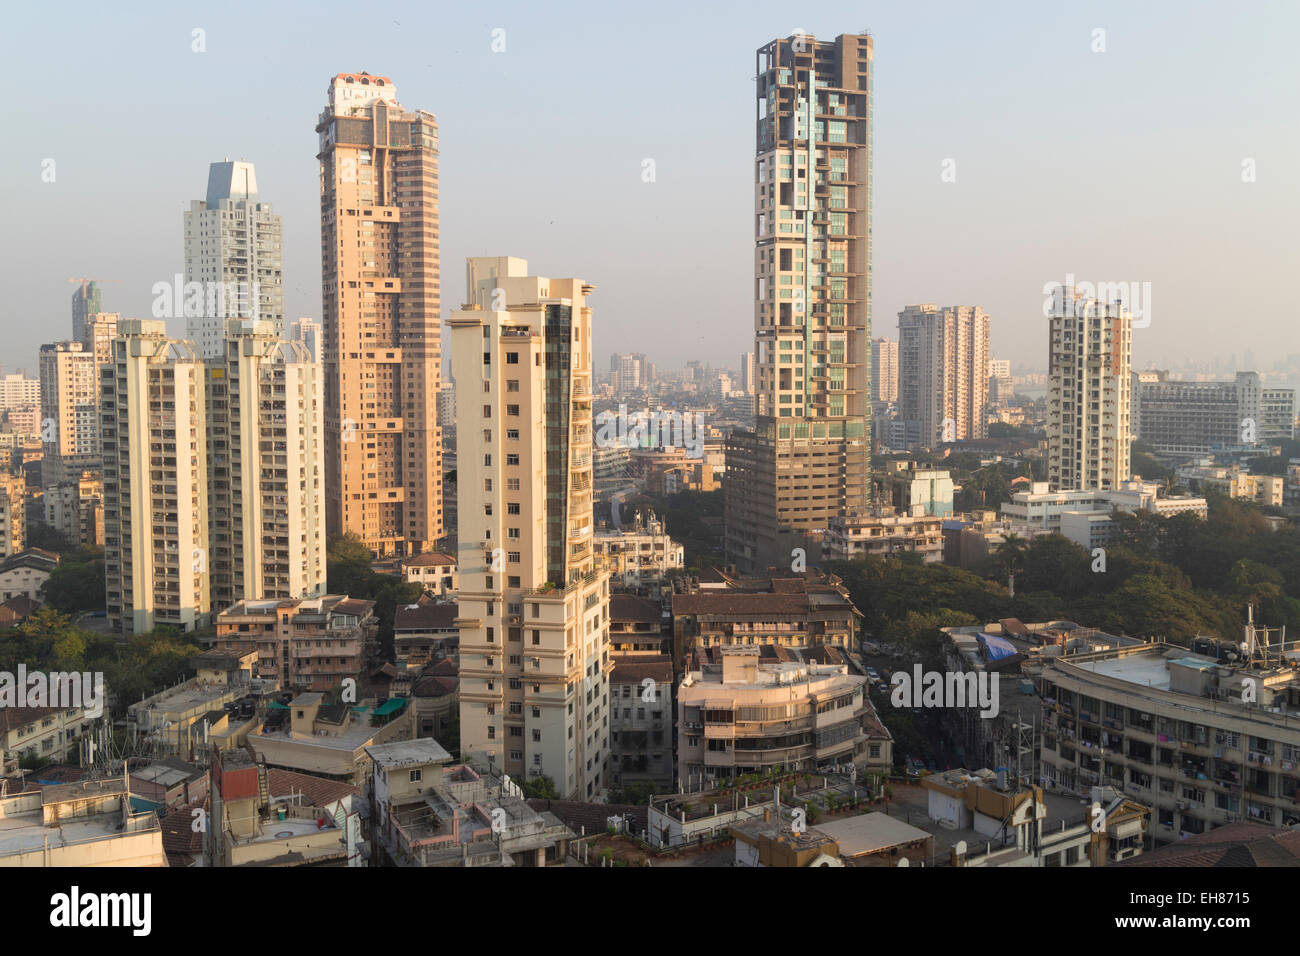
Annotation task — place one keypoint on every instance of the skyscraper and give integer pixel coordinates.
(154, 436)
(380, 316)
(943, 371)
(69, 411)
(1089, 427)
(884, 370)
(233, 250)
(85, 301)
(266, 423)
(534, 620)
(807, 459)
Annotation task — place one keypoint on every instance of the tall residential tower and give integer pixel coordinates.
(1089, 427)
(233, 250)
(807, 459)
(380, 316)
(534, 606)
(943, 371)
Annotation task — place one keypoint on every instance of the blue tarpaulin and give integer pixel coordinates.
(997, 647)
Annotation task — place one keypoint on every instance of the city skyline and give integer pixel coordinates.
(1005, 230)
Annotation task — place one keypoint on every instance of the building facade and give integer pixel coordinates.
(154, 432)
(233, 251)
(69, 411)
(1089, 426)
(381, 316)
(808, 456)
(534, 624)
(943, 371)
(884, 370)
(265, 402)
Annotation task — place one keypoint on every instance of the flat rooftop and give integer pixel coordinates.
(1146, 670)
(870, 833)
(408, 753)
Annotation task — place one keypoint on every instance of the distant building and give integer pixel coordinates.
(75, 509)
(233, 249)
(433, 571)
(917, 491)
(19, 391)
(109, 830)
(86, 301)
(1182, 419)
(69, 411)
(861, 534)
(1089, 424)
(13, 514)
(639, 558)
(884, 370)
(943, 371)
(638, 626)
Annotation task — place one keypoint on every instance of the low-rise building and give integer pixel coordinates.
(918, 491)
(24, 574)
(172, 721)
(1206, 737)
(424, 634)
(427, 811)
(639, 557)
(861, 534)
(49, 734)
(639, 625)
(330, 740)
(741, 712)
(89, 823)
(306, 644)
(1042, 508)
(792, 612)
(434, 572)
(641, 722)
(257, 820)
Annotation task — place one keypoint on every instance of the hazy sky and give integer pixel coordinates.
(1117, 166)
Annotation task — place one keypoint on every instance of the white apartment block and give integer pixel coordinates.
(943, 371)
(266, 419)
(534, 620)
(884, 370)
(19, 391)
(154, 433)
(69, 411)
(1089, 428)
(75, 509)
(1040, 507)
(233, 250)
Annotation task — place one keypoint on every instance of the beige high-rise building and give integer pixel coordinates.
(534, 620)
(807, 458)
(19, 391)
(266, 422)
(380, 317)
(884, 370)
(943, 371)
(101, 329)
(1089, 424)
(69, 411)
(154, 434)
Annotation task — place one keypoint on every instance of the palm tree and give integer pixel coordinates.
(1010, 553)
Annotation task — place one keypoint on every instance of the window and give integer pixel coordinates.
(415, 776)
(512, 385)
(512, 434)
(512, 508)
(511, 410)
(516, 731)
(512, 358)
(487, 409)
(512, 459)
